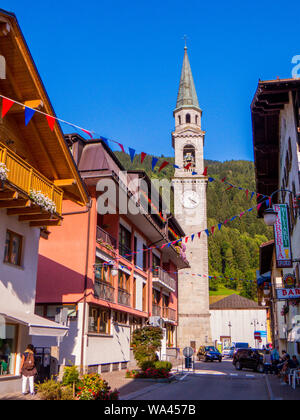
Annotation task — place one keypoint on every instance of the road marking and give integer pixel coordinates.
(181, 379)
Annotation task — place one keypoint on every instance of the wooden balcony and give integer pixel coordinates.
(15, 191)
(163, 279)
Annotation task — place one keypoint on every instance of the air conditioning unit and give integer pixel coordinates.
(156, 321)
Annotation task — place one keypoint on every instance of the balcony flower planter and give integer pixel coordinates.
(3, 172)
(42, 201)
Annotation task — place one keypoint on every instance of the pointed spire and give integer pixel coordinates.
(187, 95)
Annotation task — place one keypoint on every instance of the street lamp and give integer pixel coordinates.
(270, 214)
(229, 325)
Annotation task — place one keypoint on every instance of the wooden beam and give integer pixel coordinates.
(36, 218)
(8, 195)
(45, 223)
(25, 211)
(64, 182)
(14, 204)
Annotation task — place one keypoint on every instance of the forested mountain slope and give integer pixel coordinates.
(234, 250)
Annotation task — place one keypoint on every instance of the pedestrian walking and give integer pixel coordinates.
(267, 362)
(275, 360)
(28, 369)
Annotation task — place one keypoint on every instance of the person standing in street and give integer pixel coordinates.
(275, 360)
(28, 369)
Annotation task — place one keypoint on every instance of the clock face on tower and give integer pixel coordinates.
(190, 199)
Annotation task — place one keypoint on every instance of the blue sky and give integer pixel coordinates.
(114, 66)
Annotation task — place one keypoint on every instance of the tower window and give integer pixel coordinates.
(196, 119)
(179, 119)
(189, 157)
(187, 118)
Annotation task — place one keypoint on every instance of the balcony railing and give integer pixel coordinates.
(169, 313)
(123, 297)
(156, 310)
(125, 252)
(104, 237)
(161, 276)
(26, 178)
(104, 291)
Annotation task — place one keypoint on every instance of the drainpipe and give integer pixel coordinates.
(88, 210)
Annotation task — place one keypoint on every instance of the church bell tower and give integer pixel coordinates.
(190, 210)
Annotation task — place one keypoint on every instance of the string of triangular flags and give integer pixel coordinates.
(29, 112)
(209, 232)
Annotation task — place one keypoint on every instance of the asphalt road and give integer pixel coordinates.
(211, 381)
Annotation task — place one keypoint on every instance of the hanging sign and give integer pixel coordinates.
(289, 281)
(284, 294)
(282, 237)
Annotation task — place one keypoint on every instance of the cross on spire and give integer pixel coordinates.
(185, 38)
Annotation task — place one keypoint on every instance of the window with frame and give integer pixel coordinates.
(124, 242)
(13, 248)
(103, 271)
(99, 320)
(124, 281)
(8, 349)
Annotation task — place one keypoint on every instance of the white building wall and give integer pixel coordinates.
(18, 284)
(241, 330)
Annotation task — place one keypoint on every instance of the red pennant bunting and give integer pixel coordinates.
(187, 167)
(205, 172)
(199, 234)
(223, 180)
(143, 155)
(186, 239)
(163, 165)
(212, 230)
(122, 147)
(229, 188)
(87, 132)
(259, 206)
(242, 214)
(6, 105)
(51, 121)
(247, 193)
(224, 223)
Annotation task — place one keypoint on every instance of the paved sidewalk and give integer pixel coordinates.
(279, 391)
(123, 385)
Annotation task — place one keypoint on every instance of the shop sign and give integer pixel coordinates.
(282, 237)
(284, 294)
(289, 281)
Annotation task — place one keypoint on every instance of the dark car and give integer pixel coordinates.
(249, 359)
(209, 354)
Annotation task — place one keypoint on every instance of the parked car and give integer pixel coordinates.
(209, 354)
(228, 352)
(249, 359)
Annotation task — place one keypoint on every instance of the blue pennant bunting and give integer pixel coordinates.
(211, 179)
(207, 232)
(194, 173)
(132, 153)
(234, 217)
(219, 226)
(154, 162)
(252, 195)
(192, 237)
(176, 166)
(105, 141)
(29, 113)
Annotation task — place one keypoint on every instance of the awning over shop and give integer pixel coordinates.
(37, 325)
(264, 278)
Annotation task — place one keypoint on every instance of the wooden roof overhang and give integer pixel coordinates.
(44, 149)
(269, 99)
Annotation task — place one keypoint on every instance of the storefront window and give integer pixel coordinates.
(8, 338)
(99, 320)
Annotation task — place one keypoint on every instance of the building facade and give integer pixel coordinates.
(33, 159)
(276, 135)
(190, 210)
(98, 266)
(234, 319)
